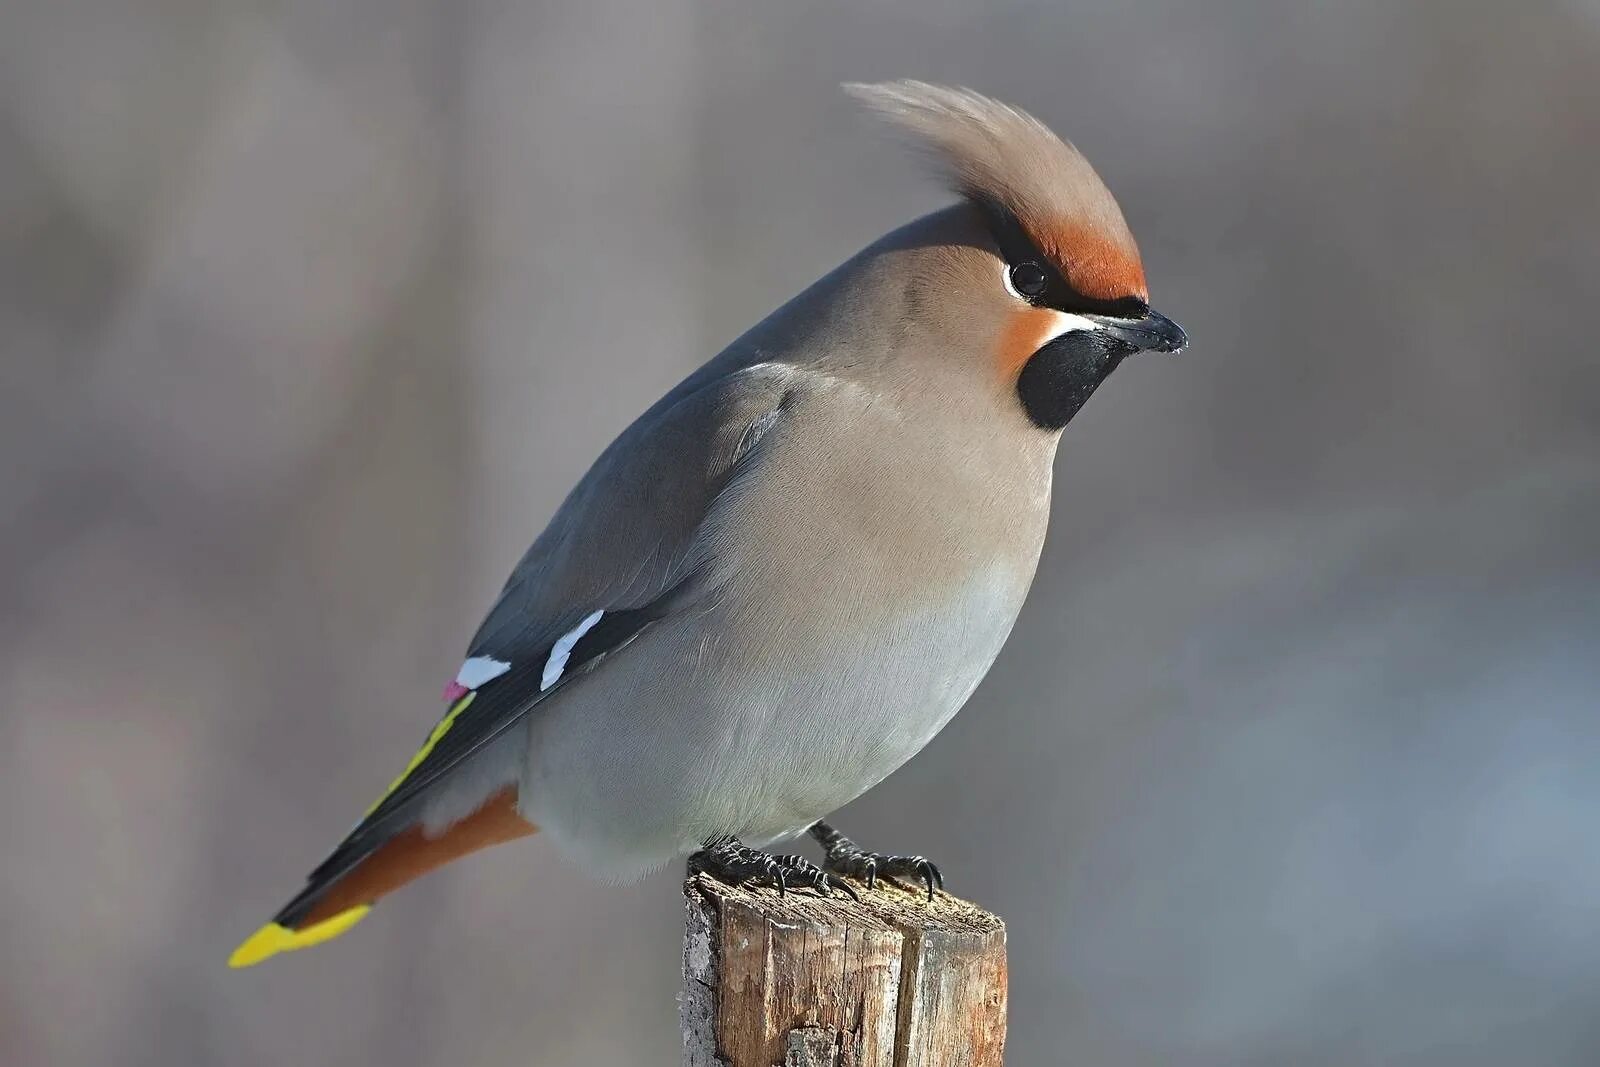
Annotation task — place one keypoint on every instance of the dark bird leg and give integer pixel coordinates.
(845, 857)
(737, 864)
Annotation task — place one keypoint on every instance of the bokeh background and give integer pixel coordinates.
(311, 311)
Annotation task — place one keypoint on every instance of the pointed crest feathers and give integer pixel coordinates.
(1001, 157)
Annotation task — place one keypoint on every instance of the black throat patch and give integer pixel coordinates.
(1059, 378)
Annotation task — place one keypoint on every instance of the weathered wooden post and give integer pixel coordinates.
(804, 981)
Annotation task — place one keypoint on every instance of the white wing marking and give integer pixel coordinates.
(479, 669)
(563, 648)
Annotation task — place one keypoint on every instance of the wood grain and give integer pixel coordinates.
(807, 981)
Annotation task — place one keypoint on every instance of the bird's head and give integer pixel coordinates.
(1047, 274)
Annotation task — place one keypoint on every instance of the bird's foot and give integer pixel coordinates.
(844, 856)
(740, 865)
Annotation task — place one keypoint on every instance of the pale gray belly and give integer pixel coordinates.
(754, 723)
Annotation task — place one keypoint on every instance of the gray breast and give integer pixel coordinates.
(854, 604)
(759, 730)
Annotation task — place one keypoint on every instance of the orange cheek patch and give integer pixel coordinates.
(1025, 330)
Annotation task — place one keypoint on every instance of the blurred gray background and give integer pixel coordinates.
(312, 311)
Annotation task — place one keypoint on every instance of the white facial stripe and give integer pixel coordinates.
(1066, 322)
(563, 648)
(480, 669)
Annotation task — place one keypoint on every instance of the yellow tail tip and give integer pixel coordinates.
(272, 939)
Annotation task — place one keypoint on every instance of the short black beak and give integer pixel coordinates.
(1153, 333)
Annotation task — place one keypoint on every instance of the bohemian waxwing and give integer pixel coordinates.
(780, 582)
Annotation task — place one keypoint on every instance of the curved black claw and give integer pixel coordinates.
(741, 865)
(844, 856)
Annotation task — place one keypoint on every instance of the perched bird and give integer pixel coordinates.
(787, 575)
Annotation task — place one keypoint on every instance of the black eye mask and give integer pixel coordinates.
(1022, 255)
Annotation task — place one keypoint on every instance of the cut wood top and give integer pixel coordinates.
(883, 907)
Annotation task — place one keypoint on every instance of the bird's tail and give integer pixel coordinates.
(342, 890)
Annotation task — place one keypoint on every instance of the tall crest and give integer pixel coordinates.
(1002, 158)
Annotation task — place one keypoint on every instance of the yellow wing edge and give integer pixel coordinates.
(434, 738)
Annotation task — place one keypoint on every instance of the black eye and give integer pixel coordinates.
(1029, 279)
